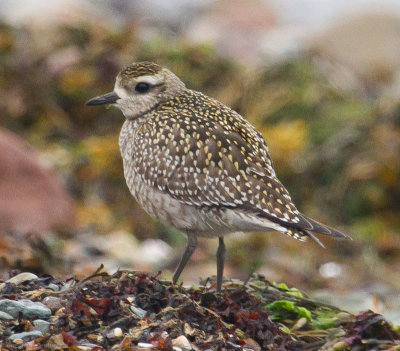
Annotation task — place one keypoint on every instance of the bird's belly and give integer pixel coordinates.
(204, 222)
(176, 214)
(163, 207)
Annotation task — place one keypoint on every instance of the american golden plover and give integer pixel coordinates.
(198, 166)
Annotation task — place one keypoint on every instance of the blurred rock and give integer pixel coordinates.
(34, 333)
(154, 251)
(22, 277)
(33, 199)
(41, 325)
(18, 279)
(44, 13)
(4, 315)
(52, 302)
(173, 17)
(28, 308)
(121, 245)
(362, 53)
(330, 270)
(125, 249)
(236, 28)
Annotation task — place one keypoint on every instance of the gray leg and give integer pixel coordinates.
(220, 262)
(190, 247)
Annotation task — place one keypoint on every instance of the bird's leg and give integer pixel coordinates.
(220, 262)
(190, 247)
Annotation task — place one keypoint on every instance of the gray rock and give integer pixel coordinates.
(34, 333)
(41, 325)
(52, 302)
(22, 277)
(27, 308)
(53, 287)
(138, 311)
(19, 278)
(4, 315)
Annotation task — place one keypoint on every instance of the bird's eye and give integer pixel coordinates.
(142, 87)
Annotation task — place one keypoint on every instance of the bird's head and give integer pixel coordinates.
(139, 88)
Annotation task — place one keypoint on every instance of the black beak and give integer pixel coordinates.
(109, 98)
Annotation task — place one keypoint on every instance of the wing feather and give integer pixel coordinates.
(214, 157)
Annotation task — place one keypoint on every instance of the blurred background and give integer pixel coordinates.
(320, 79)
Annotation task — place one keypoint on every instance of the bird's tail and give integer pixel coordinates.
(314, 226)
(302, 235)
(320, 228)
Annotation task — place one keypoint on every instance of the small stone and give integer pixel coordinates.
(182, 342)
(118, 332)
(88, 346)
(113, 334)
(95, 338)
(34, 333)
(53, 287)
(41, 325)
(19, 278)
(18, 341)
(145, 345)
(22, 277)
(52, 302)
(4, 315)
(68, 285)
(138, 311)
(27, 308)
(176, 348)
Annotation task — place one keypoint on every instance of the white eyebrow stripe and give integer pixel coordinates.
(152, 80)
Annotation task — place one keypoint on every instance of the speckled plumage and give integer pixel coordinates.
(204, 155)
(197, 165)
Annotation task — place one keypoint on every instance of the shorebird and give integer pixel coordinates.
(197, 165)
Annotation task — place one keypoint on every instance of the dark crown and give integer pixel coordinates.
(140, 69)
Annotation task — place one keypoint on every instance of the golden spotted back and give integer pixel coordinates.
(203, 153)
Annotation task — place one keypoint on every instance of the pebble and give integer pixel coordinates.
(35, 333)
(182, 342)
(145, 345)
(27, 308)
(53, 287)
(115, 333)
(118, 332)
(52, 302)
(4, 315)
(22, 277)
(138, 311)
(88, 347)
(19, 278)
(41, 325)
